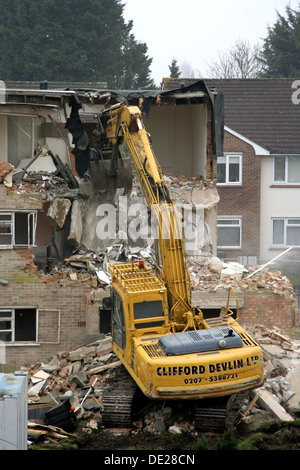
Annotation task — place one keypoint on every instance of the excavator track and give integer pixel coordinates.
(211, 415)
(117, 400)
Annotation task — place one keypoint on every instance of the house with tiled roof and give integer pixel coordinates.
(259, 174)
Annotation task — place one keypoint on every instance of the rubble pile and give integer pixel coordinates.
(77, 376)
(281, 364)
(45, 177)
(207, 273)
(212, 274)
(81, 375)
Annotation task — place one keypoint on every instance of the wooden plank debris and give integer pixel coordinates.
(36, 429)
(266, 401)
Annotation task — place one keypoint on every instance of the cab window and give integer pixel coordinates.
(148, 310)
(118, 322)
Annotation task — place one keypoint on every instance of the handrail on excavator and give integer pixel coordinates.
(237, 304)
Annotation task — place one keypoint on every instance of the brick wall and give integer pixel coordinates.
(16, 263)
(257, 307)
(19, 199)
(69, 310)
(211, 163)
(270, 310)
(243, 200)
(67, 313)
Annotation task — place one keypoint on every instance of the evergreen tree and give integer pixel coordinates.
(174, 69)
(71, 41)
(280, 55)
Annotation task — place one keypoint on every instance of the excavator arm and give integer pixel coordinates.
(122, 122)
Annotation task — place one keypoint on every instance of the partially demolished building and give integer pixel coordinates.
(53, 270)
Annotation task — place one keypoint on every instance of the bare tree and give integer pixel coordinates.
(241, 61)
(187, 70)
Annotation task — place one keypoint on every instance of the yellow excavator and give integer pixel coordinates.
(168, 349)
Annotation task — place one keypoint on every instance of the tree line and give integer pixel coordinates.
(278, 56)
(71, 41)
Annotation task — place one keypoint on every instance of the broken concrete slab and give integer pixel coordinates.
(267, 401)
(80, 379)
(103, 277)
(76, 225)
(207, 198)
(104, 347)
(293, 376)
(58, 212)
(42, 163)
(81, 353)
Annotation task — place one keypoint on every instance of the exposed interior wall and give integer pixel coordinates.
(199, 139)
(179, 136)
(20, 136)
(3, 138)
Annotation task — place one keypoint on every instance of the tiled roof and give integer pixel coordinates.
(261, 110)
(54, 85)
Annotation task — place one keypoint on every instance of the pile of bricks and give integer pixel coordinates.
(212, 274)
(78, 375)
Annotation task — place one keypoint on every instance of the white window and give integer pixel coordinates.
(286, 169)
(229, 232)
(285, 232)
(229, 169)
(17, 228)
(18, 324)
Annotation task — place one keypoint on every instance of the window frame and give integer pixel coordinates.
(285, 226)
(227, 156)
(31, 228)
(9, 318)
(9, 223)
(239, 225)
(118, 320)
(12, 319)
(285, 180)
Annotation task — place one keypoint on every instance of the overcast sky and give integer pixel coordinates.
(194, 31)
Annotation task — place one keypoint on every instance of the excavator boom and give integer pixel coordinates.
(127, 123)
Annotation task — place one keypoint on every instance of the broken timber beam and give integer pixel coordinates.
(97, 370)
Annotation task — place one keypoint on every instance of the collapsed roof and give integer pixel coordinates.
(193, 93)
